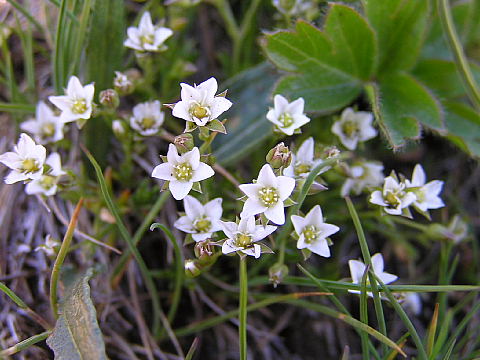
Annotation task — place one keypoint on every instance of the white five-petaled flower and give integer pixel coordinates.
(267, 195)
(181, 171)
(26, 160)
(199, 104)
(357, 270)
(243, 236)
(426, 193)
(288, 117)
(363, 175)
(353, 127)
(45, 127)
(303, 161)
(393, 197)
(47, 183)
(147, 37)
(313, 232)
(200, 220)
(147, 118)
(77, 103)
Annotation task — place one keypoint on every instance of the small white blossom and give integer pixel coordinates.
(199, 104)
(47, 183)
(363, 175)
(46, 127)
(117, 127)
(313, 232)
(426, 193)
(357, 270)
(354, 127)
(77, 103)
(200, 220)
(122, 83)
(181, 171)
(243, 236)
(49, 247)
(147, 118)
(393, 197)
(303, 161)
(288, 117)
(147, 37)
(411, 302)
(267, 195)
(26, 160)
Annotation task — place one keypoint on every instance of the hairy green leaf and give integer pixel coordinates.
(77, 335)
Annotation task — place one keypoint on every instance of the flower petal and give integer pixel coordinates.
(202, 172)
(193, 207)
(276, 214)
(180, 189)
(357, 268)
(163, 171)
(252, 207)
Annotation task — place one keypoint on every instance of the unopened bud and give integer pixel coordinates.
(118, 128)
(122, 84)
(277, 273)
(331, 152)
(184, 142)
(203, 249)
(109, 98)
(279, 156)
(191, 269)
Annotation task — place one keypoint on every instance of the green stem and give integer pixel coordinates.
(58, 61)
(242, 314)
(4, 288)
(409, 223)
(67, 240)
(25, 344)
(445, 249)
(461, 61)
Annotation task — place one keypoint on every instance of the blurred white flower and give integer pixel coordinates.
(117, 127)
(199, 104)
(181, 171)
(147, 37)
(26, 160)
(200, 220)
(288, 117)
(243, 236)
(313, 232)
(122, 84)
(411, 302)
(362, 175)
(147, 118)
(77, 103)
(47, 183)
(49, 247)
(357, 270)
(267, 195)
(426, 193)
(45, 127)
(393, 197)
(354, 127)
(303, 161)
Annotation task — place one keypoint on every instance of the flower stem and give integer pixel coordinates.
(242, 315)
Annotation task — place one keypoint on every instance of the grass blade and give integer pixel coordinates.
(25, 344)
(432, 331)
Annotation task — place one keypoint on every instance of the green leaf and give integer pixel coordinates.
(77, 334)
(330, 65)
(400, 26)
(463, 125)
(216, 125)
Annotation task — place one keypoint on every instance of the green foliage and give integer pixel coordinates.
(76, 334)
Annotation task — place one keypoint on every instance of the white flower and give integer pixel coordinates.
(313, 232)
(363, 175)
(49, 246)
(303, 161)
(354, 127)
(117, 127)
(46, 127)
(182, 171)
(47, 183)
(200, 220)
(426, 193)
(411, 302)
(147, 118)
(357, 270)
(288, 117)
(76, 104)
(243, 236)
(122, 82)
(26, 160)
(393, 198)
(267, 195)
(147, 37)
(199, 103)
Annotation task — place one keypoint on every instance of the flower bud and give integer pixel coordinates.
(184, 142)
(109, 98)
(118, 128)
(122, 84)
(279, 156)
(331, 152)
(276, 273)
(203, 249)
(191, 269)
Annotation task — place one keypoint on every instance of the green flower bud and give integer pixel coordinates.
(109, 98)
(191, 269)
(184, 143)
(277, 273)
(279, 156)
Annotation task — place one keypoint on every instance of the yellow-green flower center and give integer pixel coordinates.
(268, 196)
(392, 199)
(30, 166)
(183, 171)
(286, 120)
(310, 233)
(300, 168)
(243, 240)
(420, 194)
(147, 123)
(350, 128)
(202, 224)
(147, 39)
(198, 111)
(48, 129)
(79, 106)
(47, 181)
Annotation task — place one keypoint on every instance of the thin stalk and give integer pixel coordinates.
(25, 344)
(242, 312)
(364, 315)
(58, 65)
(445, 249)
(67, 240)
